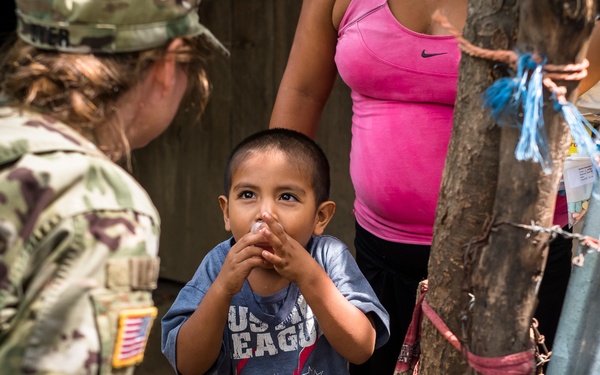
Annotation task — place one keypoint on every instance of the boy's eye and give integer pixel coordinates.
(246, 195)
(288, 197)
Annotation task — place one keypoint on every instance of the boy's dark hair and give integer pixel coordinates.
(296, 146)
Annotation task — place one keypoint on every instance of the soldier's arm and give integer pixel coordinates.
(80, 294)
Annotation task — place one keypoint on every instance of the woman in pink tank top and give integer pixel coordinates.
(402, 69)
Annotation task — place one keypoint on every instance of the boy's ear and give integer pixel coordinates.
(324, 214)
(225, 208)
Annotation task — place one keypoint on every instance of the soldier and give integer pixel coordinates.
(87, 82)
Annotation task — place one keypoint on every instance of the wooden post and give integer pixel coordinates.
(468, 185)
(483, 181)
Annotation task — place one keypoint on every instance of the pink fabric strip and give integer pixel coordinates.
(516, 364)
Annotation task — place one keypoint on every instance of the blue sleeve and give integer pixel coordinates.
(338, 262)
(184, 306)
(187, 301)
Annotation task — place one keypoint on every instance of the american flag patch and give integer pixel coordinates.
(134, 330)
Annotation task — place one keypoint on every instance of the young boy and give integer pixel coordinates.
(278, 297)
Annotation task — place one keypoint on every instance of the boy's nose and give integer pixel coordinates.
(267, 205)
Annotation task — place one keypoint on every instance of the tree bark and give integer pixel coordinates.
(484, 185)
(468, 185)
(511, 266)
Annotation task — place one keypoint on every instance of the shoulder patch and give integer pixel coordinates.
(134, 330)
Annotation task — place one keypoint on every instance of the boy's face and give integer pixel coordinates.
(268, 182)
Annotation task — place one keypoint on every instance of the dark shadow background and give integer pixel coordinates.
(8, 21)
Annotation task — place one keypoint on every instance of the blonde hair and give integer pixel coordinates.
(82, 90)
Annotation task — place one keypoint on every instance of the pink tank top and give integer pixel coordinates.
(403, 91)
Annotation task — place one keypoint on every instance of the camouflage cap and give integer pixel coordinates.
(109, 26)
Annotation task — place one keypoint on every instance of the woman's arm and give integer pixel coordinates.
(310, 72)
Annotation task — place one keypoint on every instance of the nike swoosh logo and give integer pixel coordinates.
(426, 55)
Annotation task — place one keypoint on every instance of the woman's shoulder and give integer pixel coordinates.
(347, 11)
(47, 157)
(28, 132)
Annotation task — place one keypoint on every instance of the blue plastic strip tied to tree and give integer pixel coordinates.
(519, 102)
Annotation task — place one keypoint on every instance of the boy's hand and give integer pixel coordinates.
(290, 259)
(241, 259)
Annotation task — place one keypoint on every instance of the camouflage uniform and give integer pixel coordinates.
(109, 26)
(78, 245)
(78, 235)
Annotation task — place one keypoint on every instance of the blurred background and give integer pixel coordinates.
(183, 169)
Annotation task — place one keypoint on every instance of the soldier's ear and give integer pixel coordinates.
(165, 70)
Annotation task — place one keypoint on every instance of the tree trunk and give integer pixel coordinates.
(510, 267)
(483, 184)
(468, 185)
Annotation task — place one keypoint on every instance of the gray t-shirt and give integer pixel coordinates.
(276, 334)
